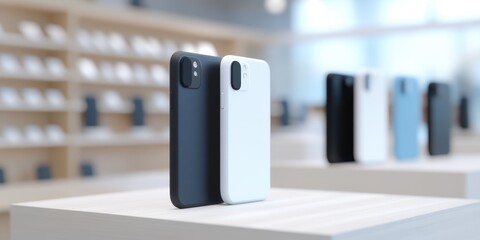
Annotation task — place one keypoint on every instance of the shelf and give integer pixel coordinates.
(129, 111)
(286, 214)
(119, 83)
(456, 176)
(19, 41)
(85, 141)
(120, 140)
(43, 144)
(158, 112)
(29, 77)
(125, 110)
(123, 56)
(27, 108)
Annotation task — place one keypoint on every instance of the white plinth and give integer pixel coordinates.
(36, 191)
(287, 214)
(454, 176)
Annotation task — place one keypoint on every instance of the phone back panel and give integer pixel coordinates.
(195, 135)
(245, 134)
(340, 118)
(371, 118)
(439, 118)
(406, 117)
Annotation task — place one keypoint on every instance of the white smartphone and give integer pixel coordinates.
(244, 129)
(370, 117)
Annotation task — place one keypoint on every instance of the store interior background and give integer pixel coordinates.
(303, 41)
(431, 40)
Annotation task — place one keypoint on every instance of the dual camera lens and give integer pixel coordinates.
(195, 66)
(190, 72)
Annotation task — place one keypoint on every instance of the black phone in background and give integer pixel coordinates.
(3, 178)
(194, 130)
(91, 112)
(463, 117)
(439, 118)
(138, 114)
(340, 119)
(285, 115)
(137, 3)
(87, 169)
(44, 172)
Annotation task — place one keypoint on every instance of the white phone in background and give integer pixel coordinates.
(370, 117)
(245, 129)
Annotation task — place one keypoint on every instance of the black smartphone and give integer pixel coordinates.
(439, 118)
(2, 176)
(194, 130)
(340, 121)
(463, 118)
(91, 113)
(138, 113)
(44, 172)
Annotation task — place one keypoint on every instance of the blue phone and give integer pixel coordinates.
(406, 117)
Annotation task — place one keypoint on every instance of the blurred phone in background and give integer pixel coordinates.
(370, 117)
(340, 143)
(464, 114)
(439, 118)
(406, 117)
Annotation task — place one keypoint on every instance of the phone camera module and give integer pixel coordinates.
(367, 82)
(190, 72)
(404, 86)
(236, 75)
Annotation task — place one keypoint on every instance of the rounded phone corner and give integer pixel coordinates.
(176, 56)
(175, 200)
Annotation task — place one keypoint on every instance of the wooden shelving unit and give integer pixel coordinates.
(123, 151)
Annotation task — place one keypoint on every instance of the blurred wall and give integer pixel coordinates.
(249, 13)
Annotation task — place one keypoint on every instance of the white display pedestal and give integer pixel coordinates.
(35, 191)
(287, 214)
(454, 176)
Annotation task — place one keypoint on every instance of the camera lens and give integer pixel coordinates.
(195, 73)
(236, 75)
(367, 82)
(195, 65)
(186, 72)
(245, 75)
